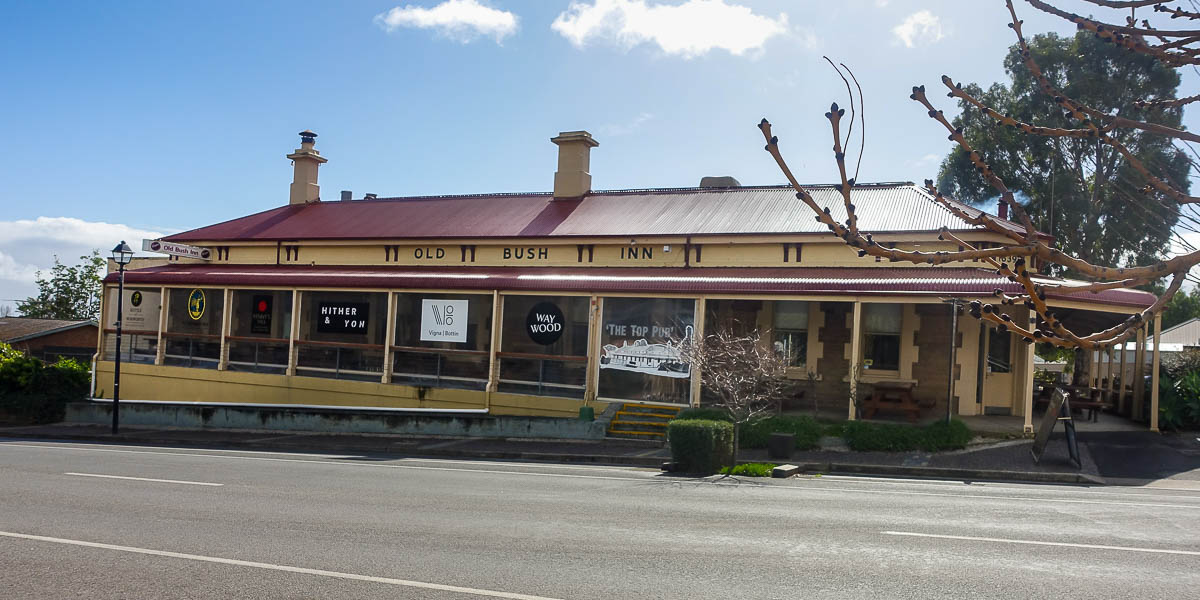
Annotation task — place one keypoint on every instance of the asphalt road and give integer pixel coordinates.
(271, 525)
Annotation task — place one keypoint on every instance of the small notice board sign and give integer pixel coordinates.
(1059, 410)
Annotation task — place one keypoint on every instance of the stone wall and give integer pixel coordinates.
(832, 391)
(932, 339)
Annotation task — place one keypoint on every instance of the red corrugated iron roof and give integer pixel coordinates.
(674, 212)
(913, 281)
(18, 329)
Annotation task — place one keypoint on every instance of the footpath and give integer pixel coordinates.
(1116, 458)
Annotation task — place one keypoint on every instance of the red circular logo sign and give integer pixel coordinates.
(262, 306)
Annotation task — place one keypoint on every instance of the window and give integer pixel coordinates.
(999, 358)
(341, 335)
(139, 332)
(881, 336)
(259, 331)
(640, 357)
(543, 347)
(442, 340)
(791, 331)
(194, 319)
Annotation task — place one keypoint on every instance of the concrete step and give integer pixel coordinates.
(646, 417)
(637, 435)
(636, 426)
(667, 411)
(637, 421)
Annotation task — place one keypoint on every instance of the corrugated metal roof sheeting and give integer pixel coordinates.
(676, 212)
(914, 281)
(456, 217)
(897, 207)
(1186, 333)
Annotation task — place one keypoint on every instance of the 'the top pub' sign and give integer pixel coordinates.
(342, 317)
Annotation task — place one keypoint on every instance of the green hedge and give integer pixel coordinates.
(881, 437)
(756, 434)
(704, 414)
(32, 391)
(700, 446)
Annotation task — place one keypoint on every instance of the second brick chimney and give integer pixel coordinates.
(572, 179)
(306, 160)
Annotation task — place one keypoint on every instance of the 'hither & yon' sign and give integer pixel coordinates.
(342, 317)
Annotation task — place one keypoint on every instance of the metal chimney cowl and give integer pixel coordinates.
(305, 160)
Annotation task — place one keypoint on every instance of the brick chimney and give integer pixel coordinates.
(572, 179)
(306, 160)
(1002, 209)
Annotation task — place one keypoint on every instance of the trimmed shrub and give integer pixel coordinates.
(883, 437)
(700, 446)
(756, 433)
(954, 435)
(704, 414)
(750, 469)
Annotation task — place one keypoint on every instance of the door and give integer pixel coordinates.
(998, 377)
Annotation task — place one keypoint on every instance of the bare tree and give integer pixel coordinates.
(745, 372)
(1172, 48)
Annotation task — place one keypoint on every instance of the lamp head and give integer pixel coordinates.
(122, 254)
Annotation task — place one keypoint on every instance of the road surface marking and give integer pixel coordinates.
(274, 567)
(991, 485)
(145, 479)
(644, 476)
(330, 455)
(1037, 543)
(990, 497)
(333, 463)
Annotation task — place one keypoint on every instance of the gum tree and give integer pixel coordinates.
(1172, 48)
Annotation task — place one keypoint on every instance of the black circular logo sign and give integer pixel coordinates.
(544, 323)
(135, 298)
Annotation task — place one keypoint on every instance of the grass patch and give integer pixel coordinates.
(883, 437)
(750, 470)
(837, 429)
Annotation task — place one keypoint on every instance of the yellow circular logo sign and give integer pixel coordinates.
(135, 299)
(196, 304)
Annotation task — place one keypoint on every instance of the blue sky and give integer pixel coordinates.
(138, 118)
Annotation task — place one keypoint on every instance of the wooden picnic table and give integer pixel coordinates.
(892, 395)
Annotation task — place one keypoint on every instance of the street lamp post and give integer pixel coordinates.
(121, 255)
(953, 356)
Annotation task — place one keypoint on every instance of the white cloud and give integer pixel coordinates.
(690, 29)
(919, 29)
(460, 20)
(928, 160)
(808, 38)
(27, 246)
(615, 130)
